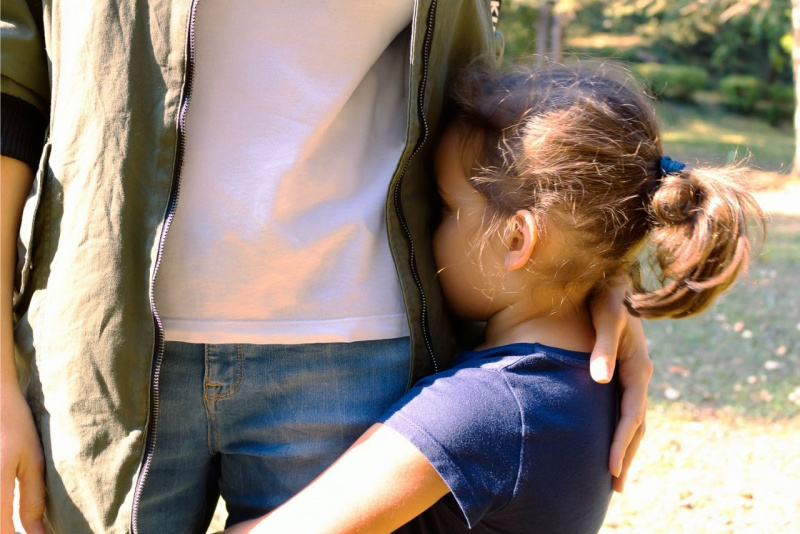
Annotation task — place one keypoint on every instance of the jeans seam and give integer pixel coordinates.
(207, 401)
(239, 376)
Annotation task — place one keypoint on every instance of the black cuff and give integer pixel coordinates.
(23, 127)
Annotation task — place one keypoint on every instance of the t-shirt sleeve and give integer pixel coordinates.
(467, 423)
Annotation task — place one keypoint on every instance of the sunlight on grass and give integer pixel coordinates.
(605, 40)
(696, 126)
(707, 134)
(739, 140)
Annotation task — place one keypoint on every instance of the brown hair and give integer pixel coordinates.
(581, 147)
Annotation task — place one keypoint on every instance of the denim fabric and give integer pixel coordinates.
(256, 423)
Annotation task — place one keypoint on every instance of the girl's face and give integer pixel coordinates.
(470, 276)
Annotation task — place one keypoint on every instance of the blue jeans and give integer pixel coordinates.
(256, 423)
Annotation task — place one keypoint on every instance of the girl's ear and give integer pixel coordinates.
(521, 240)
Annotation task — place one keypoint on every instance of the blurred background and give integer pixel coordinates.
(722, 451)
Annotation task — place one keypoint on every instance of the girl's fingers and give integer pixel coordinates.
(31, 497)
(618, 483)
(609, 317)
(629, 433)
(6, 503)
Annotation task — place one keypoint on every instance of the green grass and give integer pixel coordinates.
(743, 355)
(708, 133)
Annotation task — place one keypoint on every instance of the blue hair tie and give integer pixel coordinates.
(670, 166)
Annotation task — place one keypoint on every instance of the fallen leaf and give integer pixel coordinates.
(678, 370)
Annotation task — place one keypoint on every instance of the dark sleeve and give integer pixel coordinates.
(23, 128)
(468, 425)
(24, 81)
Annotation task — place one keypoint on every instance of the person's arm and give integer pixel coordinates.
(382, 475)
(24, 84)
(20, 451)
(621, 342)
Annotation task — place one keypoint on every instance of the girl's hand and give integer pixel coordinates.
(20, 459)
(621, 341)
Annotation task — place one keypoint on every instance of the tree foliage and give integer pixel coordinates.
(724, 36)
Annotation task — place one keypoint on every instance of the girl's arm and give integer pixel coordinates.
(380, 483)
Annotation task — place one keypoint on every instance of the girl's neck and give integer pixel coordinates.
(565, 326)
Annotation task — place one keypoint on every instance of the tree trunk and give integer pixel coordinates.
(542, 32)
(556, 32)
(796, 65)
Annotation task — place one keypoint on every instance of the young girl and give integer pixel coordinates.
(553, 184)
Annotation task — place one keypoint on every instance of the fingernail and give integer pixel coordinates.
(599, 369)
(37, 527)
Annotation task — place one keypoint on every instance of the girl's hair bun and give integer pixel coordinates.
(676, 198)
(701, 222)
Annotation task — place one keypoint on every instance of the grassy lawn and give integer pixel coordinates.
(711, 475)
(708, 133)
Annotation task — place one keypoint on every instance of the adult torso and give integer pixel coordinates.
(279, 234)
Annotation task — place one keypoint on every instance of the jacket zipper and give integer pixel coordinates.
(168, 217)
(426, 334)
(173, 201)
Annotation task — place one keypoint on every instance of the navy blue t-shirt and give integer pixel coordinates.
(521, 436)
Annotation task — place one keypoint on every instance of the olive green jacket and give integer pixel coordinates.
(111, 78)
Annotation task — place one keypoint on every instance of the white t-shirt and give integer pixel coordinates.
(294, 128)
